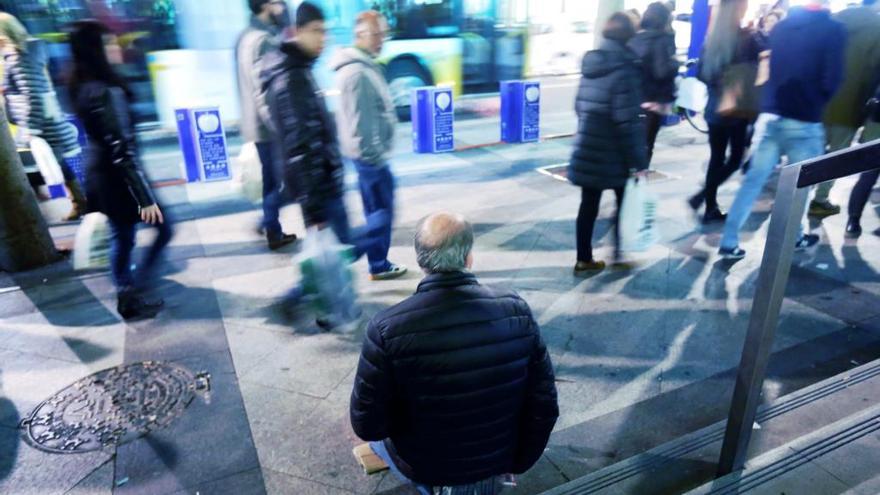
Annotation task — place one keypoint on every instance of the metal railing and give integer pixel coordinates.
(788, 210)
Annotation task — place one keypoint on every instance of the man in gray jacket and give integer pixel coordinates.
(269, 18)
(366, 120)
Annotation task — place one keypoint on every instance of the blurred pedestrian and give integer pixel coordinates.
(655, 46)
(268, 19)
(116, 185)
(455, 386)
(806, 69)
(845, 113)
(610, 142)
(312, 164)
(727, 45)
(366, 120)
(31, 103)
(765, 26)
(858, 199)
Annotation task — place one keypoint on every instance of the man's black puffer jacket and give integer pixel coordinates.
(610, 142)
(656, 50)
(311, 166)
(459, 381)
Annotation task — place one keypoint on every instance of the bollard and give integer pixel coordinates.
(520, 111)
(432, 120)
(203, 143)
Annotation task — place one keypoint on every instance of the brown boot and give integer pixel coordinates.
(78, 198)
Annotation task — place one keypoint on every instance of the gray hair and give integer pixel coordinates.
(443, 243)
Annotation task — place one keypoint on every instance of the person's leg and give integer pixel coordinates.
(763, 162)
(618, 193)
(122, 237)
(271, 192)
(838, 138)
(164, 233)
(862, 190)
(380, 450)
(719, 137)
(653, 123)
(802, 141)
(377, 193)
(586, 222)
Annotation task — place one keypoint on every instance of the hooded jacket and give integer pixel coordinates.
(311, 164)
(253, 44)
(458, 382)
(610, 142)
(862, 63)
(656, 50)
(366, 115)
(806, 65)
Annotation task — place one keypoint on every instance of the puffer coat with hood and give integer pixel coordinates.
(610, 141)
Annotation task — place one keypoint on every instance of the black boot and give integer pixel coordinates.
(853, 227)
(131, 305)
(713, 215)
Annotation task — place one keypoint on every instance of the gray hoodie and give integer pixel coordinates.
(366, 115)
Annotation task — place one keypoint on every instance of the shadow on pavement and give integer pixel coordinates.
(10, 439)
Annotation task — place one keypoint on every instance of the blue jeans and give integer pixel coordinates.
(122, 241)
(271, 189)
(377, 194)
(775, 136)
(486, 487)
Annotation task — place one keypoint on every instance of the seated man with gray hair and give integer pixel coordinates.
(455, 387)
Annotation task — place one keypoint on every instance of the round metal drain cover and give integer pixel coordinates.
(113, 406)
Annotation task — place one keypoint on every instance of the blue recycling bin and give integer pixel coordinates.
(520, 111)
(203, 143)
(432, 120)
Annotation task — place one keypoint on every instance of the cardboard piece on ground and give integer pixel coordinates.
(368, 459)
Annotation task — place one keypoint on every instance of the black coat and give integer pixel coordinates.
(311, 166)
(459, 382)
(611, 140)
(656, 50)
(115, 183)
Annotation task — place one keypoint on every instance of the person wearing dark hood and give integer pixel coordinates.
(366, 121)
(269, 18)
(806, 69)
(115, 183)
(610, 142)
(845, 113)
(655, 46)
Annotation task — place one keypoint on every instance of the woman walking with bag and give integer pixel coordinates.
(610, 142)
(115, 183)
(32, 104)
(728, 47)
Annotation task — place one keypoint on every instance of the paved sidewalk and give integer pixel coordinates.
(640, 357)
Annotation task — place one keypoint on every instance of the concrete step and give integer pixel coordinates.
(690, 462)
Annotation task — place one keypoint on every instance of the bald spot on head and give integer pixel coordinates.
(438, 228)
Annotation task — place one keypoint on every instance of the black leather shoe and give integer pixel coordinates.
(853, 228)
(132, 306)
(714, 215)
(280, 240)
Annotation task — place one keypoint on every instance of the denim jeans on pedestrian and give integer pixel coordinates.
(486, 487)
(271, 189)
(774, 137)
(377, 193)
(122, 242)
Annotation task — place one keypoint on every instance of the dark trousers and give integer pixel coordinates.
(271, 189)
(377, 192)
(653, 123)
(586, 222)
(862, 192)
(122, 241)
(722, 165)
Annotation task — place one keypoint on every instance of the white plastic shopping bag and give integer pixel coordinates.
(48, 166)
(91, 247)
(326, 276)
(692, 95)
(638, 225)
(249, 180)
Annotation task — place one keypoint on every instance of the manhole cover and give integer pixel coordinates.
(113, 407)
